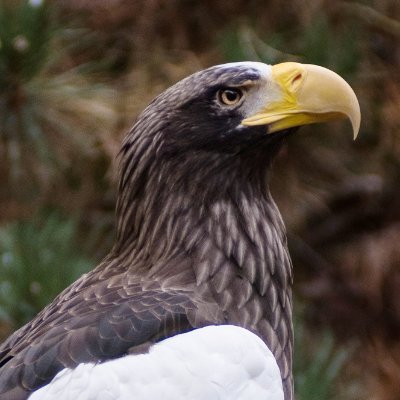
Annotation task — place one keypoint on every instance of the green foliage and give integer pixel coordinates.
(318, 363)
(244, 44)
(50, 110)
(38, 259)
(323, 44)
(320, 43)
(25, 32)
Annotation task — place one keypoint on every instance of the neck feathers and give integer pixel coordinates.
(207, 222)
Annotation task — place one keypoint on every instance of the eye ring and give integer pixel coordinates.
(230, 96)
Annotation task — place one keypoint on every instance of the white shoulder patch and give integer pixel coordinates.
(213, 363)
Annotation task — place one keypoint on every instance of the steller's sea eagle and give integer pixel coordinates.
(200, 241)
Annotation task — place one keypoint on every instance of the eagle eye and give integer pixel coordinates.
(230, 96)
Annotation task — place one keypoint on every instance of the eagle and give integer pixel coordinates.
(200, 241)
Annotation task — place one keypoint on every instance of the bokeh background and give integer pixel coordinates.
(73, 76)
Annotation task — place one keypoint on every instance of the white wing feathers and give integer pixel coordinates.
(213, 363)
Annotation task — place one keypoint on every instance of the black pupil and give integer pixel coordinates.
(231, 95)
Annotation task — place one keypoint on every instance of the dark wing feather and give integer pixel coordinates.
(100, 324)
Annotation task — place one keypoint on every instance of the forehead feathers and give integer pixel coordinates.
(231, 74)
(165, 109)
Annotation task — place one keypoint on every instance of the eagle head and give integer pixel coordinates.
(218, 130)
(228, 107)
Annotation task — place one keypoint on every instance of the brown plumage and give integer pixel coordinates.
(200, 241)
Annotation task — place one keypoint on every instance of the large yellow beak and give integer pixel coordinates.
(306, 94)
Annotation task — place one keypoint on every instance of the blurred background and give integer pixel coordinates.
(73, 76)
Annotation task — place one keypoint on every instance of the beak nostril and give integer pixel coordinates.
(296, 81)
